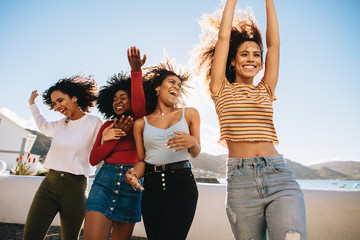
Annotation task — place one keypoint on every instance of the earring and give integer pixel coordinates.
(231, 68)
(157, 93)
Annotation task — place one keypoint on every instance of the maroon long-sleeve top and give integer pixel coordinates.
(124, 150)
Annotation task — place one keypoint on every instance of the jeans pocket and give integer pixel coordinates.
(184, 172)
(231, 173)
(281, 168)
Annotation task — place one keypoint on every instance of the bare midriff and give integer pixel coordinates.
(247, 149)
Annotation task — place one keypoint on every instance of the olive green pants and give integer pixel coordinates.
(59, 192)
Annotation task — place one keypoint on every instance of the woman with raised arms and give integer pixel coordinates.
(263, 197)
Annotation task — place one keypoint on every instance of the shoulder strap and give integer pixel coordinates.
(183, 112)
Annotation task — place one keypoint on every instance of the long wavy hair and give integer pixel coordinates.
(244, 29)
(120, 81)
(82, 87)
(154, 77)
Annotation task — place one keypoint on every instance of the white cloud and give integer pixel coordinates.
(25, 123)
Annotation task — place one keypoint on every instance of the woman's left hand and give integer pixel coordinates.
(181, 141)
(33, 96)
(134, 58)
(124, 123)
(132, 179)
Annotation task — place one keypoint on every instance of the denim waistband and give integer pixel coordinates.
(118, 166)
(266, 160)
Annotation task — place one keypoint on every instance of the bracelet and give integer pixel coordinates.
(138, 180)
(136, 176)
(126, 180)
(126, 177)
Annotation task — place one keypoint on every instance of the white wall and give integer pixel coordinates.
(11, 136)
(331, 215)
(11, 139)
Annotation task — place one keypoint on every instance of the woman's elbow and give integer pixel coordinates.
(93, 161)
(195, 153)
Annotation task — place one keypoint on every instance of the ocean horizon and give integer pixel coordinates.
(323, 184)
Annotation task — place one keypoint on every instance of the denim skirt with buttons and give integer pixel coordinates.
(112, 196)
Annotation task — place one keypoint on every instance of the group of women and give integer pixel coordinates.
(148, 137)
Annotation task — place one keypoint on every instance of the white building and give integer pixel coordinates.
(14, 141)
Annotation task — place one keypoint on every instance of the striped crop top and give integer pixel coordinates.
(245, 112)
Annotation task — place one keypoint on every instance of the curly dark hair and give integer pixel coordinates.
(82, 87)
(120, 81)
(154, 77)
(244, 29)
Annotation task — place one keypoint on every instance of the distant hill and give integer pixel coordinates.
(302, 172)
(348, 168)
(217, 164)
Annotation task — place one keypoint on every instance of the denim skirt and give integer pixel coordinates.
(112, 196)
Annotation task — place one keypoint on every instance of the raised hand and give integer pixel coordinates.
(34, 95)
(134, 58)
(132, 179)
(111, 133)
(181, 141)
(124, 123)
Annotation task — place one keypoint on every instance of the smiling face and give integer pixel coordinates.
(169, 90)
(121, 102)
(247, 62)
(63, 103)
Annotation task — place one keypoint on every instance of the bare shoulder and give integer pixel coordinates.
(139, 123)
(191, 112)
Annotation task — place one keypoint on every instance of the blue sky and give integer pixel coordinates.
(317, 112)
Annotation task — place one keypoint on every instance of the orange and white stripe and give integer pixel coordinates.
(245, 112)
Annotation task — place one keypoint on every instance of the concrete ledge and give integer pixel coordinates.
(331, 215)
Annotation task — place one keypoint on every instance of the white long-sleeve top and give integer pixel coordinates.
(71, 144)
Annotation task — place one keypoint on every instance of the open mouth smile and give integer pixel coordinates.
(174, 93)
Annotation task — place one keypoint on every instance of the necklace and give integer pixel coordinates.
(164, 113)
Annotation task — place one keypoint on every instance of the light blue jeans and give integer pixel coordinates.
(263, 199)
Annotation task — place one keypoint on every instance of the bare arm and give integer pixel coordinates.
(138, 170)
(222, 46)
(188, 141)
(273, 46)
(195, 132)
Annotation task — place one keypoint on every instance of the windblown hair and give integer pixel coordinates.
(121, 81)
(244, 29)
(82, 87)
(154, 77)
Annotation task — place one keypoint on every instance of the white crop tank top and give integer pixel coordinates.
(155, 140)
